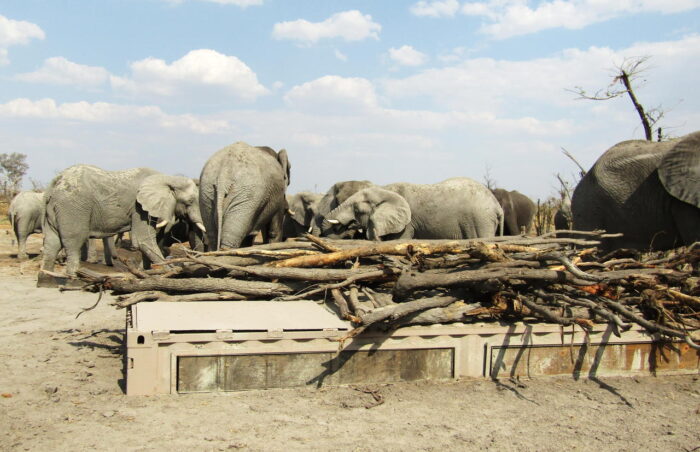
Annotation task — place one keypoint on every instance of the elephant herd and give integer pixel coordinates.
(648, 191)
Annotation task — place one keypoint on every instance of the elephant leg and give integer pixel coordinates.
(22, 235)
(85, 251)
(687, 220)
(110, 250)
(249, 240)
(52, 246)
(73, 245)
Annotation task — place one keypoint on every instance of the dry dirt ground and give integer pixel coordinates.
(62, 388)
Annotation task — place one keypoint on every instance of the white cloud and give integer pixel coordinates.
(440, 8)
(14, 32)
(520, 87)
(347, 25)
(407, 56)
(333, 94)
(199, 68)
(340, 55)
(60, 71)
(517, 17)
(103, 112)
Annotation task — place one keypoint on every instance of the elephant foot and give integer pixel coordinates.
(53, 280)
(22, 256)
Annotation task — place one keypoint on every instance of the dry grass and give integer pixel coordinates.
(544, 217)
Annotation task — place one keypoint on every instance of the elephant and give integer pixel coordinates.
(648, 191)
(562, 217)
(301, 210)
(518, 211)
(85, 201)
(26, 215)
(457, 208)
(242, 190)
(335, 196)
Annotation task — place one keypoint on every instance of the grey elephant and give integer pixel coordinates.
(26, 215)
(301, 210)
(562, 217)
(518, 211)
(649, 191)
(457, 208)
(335, 196)
(242, 190)
(85, 201)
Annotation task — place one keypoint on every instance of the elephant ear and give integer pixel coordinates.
(283, 158)
(296, 209)
(389, 217)
(156, 197)
(679, 170)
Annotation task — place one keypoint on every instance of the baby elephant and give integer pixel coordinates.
(457, 208)
(26, 214)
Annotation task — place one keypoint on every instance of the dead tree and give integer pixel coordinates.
(622, 83)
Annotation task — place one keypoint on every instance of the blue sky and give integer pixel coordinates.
(389, 91)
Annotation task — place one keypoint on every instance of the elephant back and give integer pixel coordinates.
(640, 157)
(679, 170)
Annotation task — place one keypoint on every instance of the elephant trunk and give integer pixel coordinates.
(195, 216)
(338, 219)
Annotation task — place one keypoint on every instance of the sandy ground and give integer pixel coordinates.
(62, 388)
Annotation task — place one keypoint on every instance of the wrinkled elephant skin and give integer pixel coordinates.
(242, 191)
(648, 191)
(84, 202)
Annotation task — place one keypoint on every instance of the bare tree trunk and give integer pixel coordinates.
(624, 77)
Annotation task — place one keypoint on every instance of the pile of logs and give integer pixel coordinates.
(568, 281)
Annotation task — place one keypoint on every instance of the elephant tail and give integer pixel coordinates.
(11, 216)
(219, 214)
(501, 221)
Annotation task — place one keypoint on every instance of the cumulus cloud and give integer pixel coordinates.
(103, 112)
(199, 68)
(347, 25)
(333, 94)
(407, 56)
(508, 18)
(492, 85)
(439, 8)
(14, 32)
(60, 71)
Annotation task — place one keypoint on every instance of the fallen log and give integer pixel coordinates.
(379, 275)
(486, 251)
(455, 312)
(138, 297)
(394, 312)
(410, 281)
(301, 274)
(188, 285)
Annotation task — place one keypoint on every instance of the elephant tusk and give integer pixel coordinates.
(201, 226)
(161, 224)
(291, 212)
(333, 221)
(310, 229)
